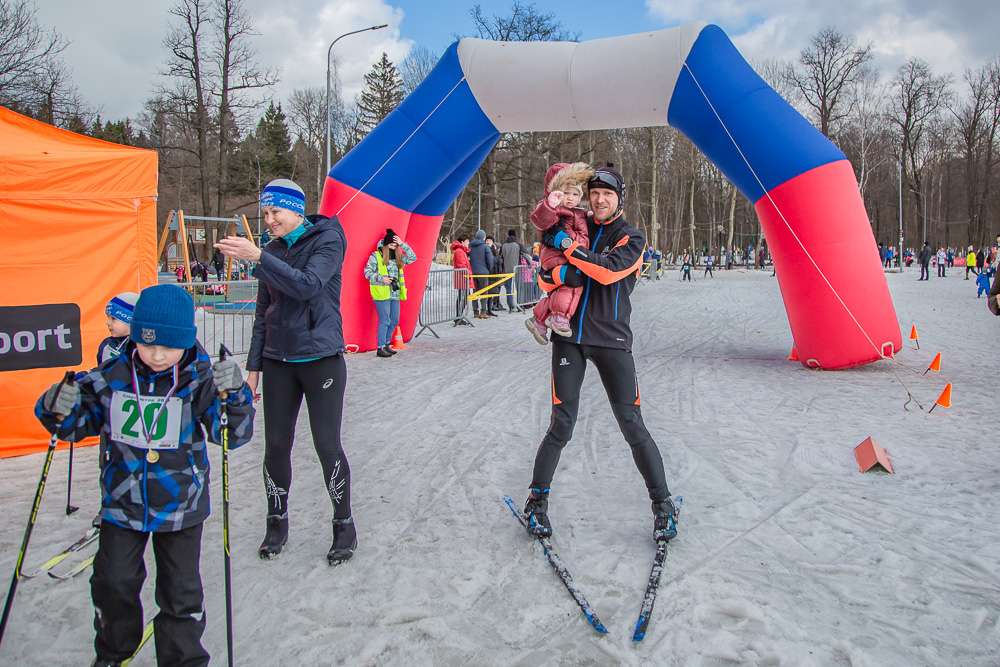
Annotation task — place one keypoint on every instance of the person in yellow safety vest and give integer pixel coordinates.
(970, 263)
(384, 271)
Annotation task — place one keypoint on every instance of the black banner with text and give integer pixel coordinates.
(46, 336)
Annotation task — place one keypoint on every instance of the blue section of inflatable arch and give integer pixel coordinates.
(776, 140)
(430, 167)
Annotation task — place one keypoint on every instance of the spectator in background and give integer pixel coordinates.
(460, 260)
(511, 253)
(481, 261)
(970, 262)
(219, 262)
(925, 261)
(942, 262)
(496, 269)
(384, 272)
(980, 260)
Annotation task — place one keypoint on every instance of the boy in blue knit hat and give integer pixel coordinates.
(119, 312)
(156, 402)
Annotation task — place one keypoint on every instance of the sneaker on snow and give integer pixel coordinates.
(275, 537)
(559, 325)
(538, 330)
(536, 512)
(345, 541)
(664, 520)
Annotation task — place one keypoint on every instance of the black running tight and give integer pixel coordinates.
(322, 382)
(617, 370)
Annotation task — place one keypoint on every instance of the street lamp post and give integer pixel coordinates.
(925, 211)
(258, 198)
(328, 52)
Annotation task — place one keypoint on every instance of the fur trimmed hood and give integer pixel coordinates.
(562, 175)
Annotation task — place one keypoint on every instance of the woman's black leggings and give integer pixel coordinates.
(322, 382)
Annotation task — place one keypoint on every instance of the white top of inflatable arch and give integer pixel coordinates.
(622, 81)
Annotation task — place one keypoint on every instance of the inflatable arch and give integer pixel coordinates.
(410, 168)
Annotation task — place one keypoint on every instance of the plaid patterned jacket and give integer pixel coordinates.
(172, 493)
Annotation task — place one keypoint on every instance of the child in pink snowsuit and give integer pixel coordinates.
(564, 188)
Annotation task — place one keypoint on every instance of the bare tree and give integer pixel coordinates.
(415, 68)
(918, 97)
(237, 74)
(525, 23)
(307, 115)
(865, 130)
(977, 122)
(188, 95)
(828, 66)
(26, 49)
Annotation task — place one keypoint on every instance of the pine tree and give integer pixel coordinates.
(383, 93)
(272, 134)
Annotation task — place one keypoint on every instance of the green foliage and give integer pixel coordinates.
(383, 93)
(275, 143)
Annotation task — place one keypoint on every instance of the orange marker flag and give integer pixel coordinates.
(913, 335)
(944, 400)
(935, 365)
(794, 356)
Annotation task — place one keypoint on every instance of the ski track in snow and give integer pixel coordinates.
(786, 555)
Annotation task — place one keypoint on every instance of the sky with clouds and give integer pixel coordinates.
(116, 45)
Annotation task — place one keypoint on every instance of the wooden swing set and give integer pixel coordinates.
(176, 224)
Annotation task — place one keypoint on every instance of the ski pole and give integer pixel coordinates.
(68, 379)
(70, 508)
(224, 426)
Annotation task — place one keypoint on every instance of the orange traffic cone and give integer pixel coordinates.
(397, 340)
(935, 365)
(913, 335)
(944, 400)
(795, 355)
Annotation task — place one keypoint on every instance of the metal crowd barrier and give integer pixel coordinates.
(526, 289)
(224, 313)
(446, 299)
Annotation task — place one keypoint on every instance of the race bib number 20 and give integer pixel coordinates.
(126, 413)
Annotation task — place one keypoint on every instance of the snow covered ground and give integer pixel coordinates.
(787, 555)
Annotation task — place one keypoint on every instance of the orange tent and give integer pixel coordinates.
(78, 223)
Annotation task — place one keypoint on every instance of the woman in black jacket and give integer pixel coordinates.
(298, 345)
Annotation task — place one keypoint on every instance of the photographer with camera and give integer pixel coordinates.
(384, 272)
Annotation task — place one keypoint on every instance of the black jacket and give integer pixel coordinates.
(298, 299)
(925, 255)
(603, 315)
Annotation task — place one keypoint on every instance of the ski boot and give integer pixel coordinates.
(536, 512)
(275, 537)
(345, 541)
(664, 520)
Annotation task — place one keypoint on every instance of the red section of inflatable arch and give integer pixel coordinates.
(863, 317)
(365, 220)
